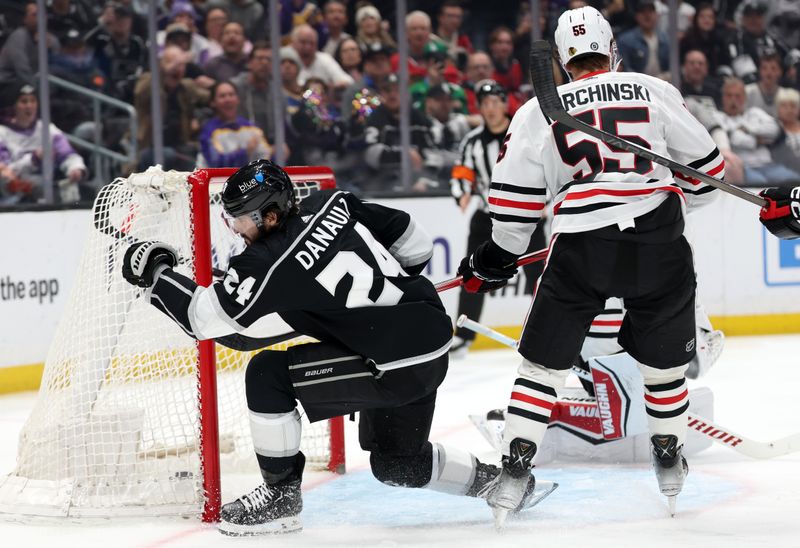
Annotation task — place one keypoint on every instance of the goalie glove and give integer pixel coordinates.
(142, 259)
(781, 216)
(488, 268)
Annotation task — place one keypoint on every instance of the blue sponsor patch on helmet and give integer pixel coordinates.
(260, 177)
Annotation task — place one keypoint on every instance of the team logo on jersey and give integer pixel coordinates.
(594, 46)
(690, 346)
(572, 51)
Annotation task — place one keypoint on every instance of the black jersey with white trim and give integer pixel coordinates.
(341, 270)
(592, 184)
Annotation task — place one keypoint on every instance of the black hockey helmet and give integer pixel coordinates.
(257, 186)
(484, 88)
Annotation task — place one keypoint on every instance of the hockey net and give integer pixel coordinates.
(125, 420)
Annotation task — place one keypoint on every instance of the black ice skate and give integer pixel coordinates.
(268, 509)
(510, 490)
(670, 467)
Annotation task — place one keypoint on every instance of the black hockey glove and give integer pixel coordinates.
(489, 268)
(781, 216)
(141, 259)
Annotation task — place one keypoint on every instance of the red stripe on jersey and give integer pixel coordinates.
(607, 322)
(717, 169)
(502, 202)
(611, 192)
(682, 177)
(666, 401)
(519, 396)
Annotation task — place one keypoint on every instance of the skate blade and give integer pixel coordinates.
(500, 516)
(672, 501)
(542, 490)
(277, 527)
(492, 431)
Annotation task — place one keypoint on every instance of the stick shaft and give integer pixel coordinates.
(532, 257)
(463, 321)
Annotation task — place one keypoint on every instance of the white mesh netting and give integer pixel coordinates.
(115, 429)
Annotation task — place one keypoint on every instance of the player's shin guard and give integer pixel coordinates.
(531, 403)
(458, 473)
(276, 438)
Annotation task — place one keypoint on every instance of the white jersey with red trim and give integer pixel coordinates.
(593, 184)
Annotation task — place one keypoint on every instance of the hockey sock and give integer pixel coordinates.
(531, 403)
(276, 438)
(666, 399)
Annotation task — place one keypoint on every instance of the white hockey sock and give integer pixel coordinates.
(453, 470)
(531, 403)
(666, 399)
(276, 434)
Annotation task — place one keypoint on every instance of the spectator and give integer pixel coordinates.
(749, 132)
(318, 128)
(479, 68)
(290, 71)
(227, 139)
(254, 91)
(751, 40)
(686, 14)
(784, 22)
(448, 128)
(786, 150)
(435, 56)
(19, 58)
(313, 62)
(233, 59)
(695, 80)
(216, 19)
(298, 12)
(65, 15)
(370, 29)
(762, 94)
(179, 35)
(76, 64)
(376, 67)
(383, 153)
(183, 13)
(706, 36)
(451, 16)
(120, 54)
(507, 70)
(333, 34)
(348, 55)
(21, 177)
(418, 34)
(179, 98)
(248, 13)
(645, 48)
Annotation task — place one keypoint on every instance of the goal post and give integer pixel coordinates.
(134, 417)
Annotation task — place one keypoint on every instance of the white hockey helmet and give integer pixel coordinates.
(583, 31)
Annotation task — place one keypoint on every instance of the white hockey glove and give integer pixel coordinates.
(141, 260)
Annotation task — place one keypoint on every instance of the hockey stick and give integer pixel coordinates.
(541, 70)
(529, 258)
(719, 434)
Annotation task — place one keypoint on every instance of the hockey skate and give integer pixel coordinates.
(670, 467)
(510, 491)
(268, 509)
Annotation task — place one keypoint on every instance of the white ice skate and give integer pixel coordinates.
(670, 467)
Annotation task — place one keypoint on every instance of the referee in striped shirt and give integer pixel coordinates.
(472, 177)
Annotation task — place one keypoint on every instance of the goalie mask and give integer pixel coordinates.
(256, 187)
(584, 31)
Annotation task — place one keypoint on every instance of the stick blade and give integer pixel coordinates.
(542, 79)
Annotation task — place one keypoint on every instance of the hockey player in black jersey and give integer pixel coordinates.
(617, 226)
(345, 272)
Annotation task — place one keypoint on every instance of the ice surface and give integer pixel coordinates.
(728, 500)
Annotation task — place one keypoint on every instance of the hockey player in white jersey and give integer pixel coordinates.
(618, 223)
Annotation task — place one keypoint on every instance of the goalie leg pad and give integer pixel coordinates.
(531, 403)
(666, 400)
(453, 470)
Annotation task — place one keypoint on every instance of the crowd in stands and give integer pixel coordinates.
(341, 93)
